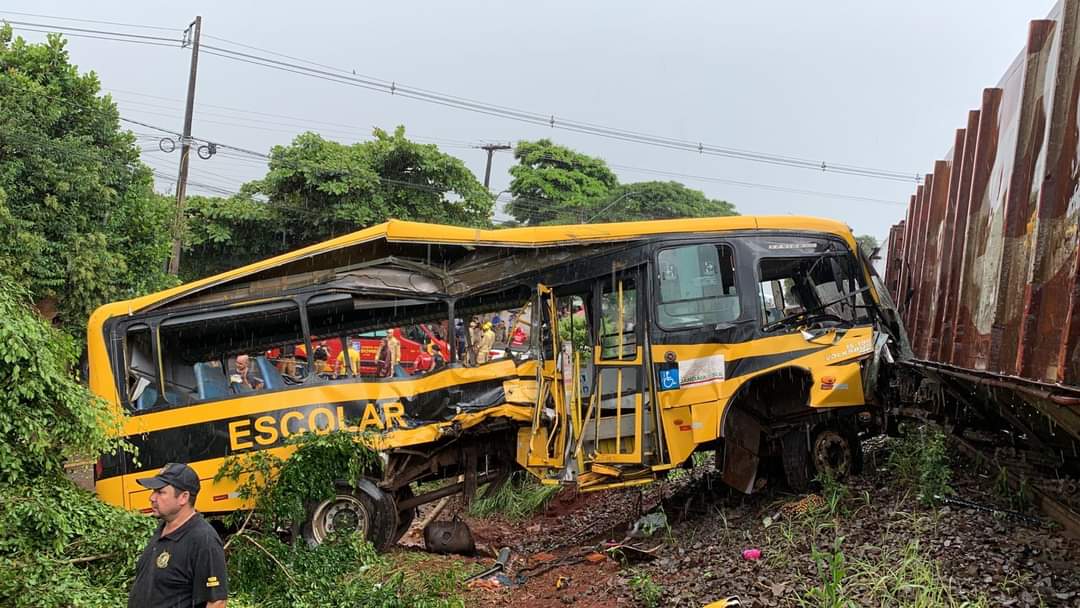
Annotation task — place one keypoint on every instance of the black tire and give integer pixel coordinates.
(365, 508)
(795, 457)
(835, 450)
(406, 517)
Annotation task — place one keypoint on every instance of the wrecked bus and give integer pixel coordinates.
(630, 347)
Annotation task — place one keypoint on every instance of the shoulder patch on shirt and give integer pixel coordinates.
(212, 582)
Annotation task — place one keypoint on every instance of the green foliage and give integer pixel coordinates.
(834, 494)
(282, 489)
(867, 243)
(79, 224)
(47, 416)
(342, 573)
(645, 589)
(1018, 498)
(575, 329)
(654, 201)
(60, 545)
(552, 183)
(268, 572)
(63, 547)
(556, 185)
(317, 189)
(831, 570)
(519, 498)
(901, 576)
(224, 233)
(920, 459)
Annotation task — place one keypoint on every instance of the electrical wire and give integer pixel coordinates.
(326, 72)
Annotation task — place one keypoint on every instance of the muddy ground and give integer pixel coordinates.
(892, 547)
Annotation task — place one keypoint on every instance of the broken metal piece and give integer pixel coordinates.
(449, 537)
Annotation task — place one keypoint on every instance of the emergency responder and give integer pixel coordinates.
(487, 341)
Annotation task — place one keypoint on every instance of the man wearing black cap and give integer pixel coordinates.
(184, 563)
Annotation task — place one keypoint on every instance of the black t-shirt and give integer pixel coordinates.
(184, 568)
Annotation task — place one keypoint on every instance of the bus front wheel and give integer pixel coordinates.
(363, 509)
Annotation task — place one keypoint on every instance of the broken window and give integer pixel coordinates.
(220, 354)
(618, 320)
(697, 286)
(141, 385)
(372, 337)
(823, 285)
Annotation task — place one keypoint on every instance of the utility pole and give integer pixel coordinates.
(491, 148)
(185, 148)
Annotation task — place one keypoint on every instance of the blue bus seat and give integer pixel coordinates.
(211, 381)
(271, 376)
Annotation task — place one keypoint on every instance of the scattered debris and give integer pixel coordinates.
(648, 525)
(449, 537)
(499, 566)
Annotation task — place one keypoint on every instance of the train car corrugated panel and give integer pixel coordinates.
(894, 251)
(918, 237)
(1046, 352)
(925, 262)
(935, 240)
(955, 256)
(987, 230)
(903, 267)
(965, 334)
(947, 235)
(1019, 200)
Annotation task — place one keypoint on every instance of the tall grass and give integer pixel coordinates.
(519, 498)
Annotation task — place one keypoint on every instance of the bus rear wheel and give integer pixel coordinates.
(365, 510)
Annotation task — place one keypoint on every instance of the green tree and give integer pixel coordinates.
(867, 243)
(654, 201)
(554, 184)
(79, 224)
(227, 232)
(61, 546)
(319, 189)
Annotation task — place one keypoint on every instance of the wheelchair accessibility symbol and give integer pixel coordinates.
(669, 379)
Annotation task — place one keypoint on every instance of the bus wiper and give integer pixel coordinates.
(775, 325)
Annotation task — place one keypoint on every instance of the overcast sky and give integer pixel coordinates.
(873, 84)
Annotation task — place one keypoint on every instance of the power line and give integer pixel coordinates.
(113, 39)
(93, 31)
(132, 25)
(393, 88)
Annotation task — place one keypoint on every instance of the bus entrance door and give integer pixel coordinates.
(616, 425)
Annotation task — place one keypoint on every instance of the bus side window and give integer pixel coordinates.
(142, 379)
(195, 347)
(697, 286)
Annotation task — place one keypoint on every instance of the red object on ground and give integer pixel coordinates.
(751, 554)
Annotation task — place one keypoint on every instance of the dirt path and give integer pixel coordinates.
(890, 546)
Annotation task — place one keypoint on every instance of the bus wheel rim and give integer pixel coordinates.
(340, 514)
(832, 454)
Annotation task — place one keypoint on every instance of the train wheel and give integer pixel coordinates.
(364, 510)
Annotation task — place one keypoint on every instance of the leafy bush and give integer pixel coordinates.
(518, 498)
(920, 460)
(645, 589)
(269, 572)
(282, 488)
(343, 572)
(61, 546)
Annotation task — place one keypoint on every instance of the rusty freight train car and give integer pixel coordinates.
(985, 267)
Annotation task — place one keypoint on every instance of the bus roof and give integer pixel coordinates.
(399, 231)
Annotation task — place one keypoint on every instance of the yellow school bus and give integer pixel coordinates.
(624, 348)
